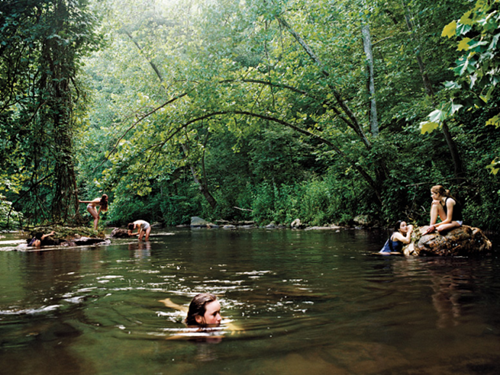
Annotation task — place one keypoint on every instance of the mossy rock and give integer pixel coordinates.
(461, 241)
(63, 233)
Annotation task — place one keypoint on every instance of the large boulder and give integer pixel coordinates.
(464, 240)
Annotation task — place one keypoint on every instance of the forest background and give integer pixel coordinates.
(264, 110)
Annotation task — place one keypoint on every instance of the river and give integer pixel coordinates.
(307, 302)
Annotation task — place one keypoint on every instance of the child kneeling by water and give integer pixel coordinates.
(398, 239)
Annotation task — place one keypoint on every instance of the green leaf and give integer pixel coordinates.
(495, 121)
(428, 126)
(494, 42)
(452, 85)
(449, 30)
(487, 97)
(492, 166)
(465, 19)
(463, 29)
(455, 108)
(459, 65)
(464, 67)
(437, 116)
(464, 44)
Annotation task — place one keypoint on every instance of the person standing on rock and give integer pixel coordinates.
(91, 208)
(398, 239)
(143, 228)
(447, 208)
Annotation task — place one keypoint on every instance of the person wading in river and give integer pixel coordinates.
(143, 228)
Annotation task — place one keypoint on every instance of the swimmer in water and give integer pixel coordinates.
(203, 312)
(39, 239)
(398, 239)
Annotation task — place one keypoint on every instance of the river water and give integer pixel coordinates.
(307, 302)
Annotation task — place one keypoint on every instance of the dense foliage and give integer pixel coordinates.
(42, 43)
(276, 110)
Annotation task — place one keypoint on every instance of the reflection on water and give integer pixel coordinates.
(307, 302)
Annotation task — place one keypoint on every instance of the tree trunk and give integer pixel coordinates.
(457, 162)
(202, 186)
(59, 60)
(367, 43)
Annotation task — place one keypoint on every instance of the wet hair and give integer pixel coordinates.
(104, 202)
(130, 226)
(439, 189)
(397, 225)
(197, 307)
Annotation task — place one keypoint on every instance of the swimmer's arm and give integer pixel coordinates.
(232, 327)
(404, 239)
(47, 235)
(168, 303)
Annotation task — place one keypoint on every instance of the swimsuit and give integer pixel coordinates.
(392, 246)
(142, 224)
(457, 211)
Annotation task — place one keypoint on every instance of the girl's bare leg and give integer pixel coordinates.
(437, 209)
(95, 215)
(443, 227)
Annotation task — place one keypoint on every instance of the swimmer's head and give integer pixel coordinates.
(35, 242)
(401, 226)
(204, 310)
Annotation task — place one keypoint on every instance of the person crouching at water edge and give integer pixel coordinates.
(142, 226)
(203, 312)
(447, 208)
(398, 239)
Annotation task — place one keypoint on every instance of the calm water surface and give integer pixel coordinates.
(309, 302)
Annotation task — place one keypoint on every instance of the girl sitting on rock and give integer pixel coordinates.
(447, 208)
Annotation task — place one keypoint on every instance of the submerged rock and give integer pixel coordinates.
(464, 240)
(119, 233)
(198, 222)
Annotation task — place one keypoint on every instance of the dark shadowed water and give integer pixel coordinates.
(309, 302)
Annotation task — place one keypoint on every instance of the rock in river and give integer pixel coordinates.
(464, 240)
